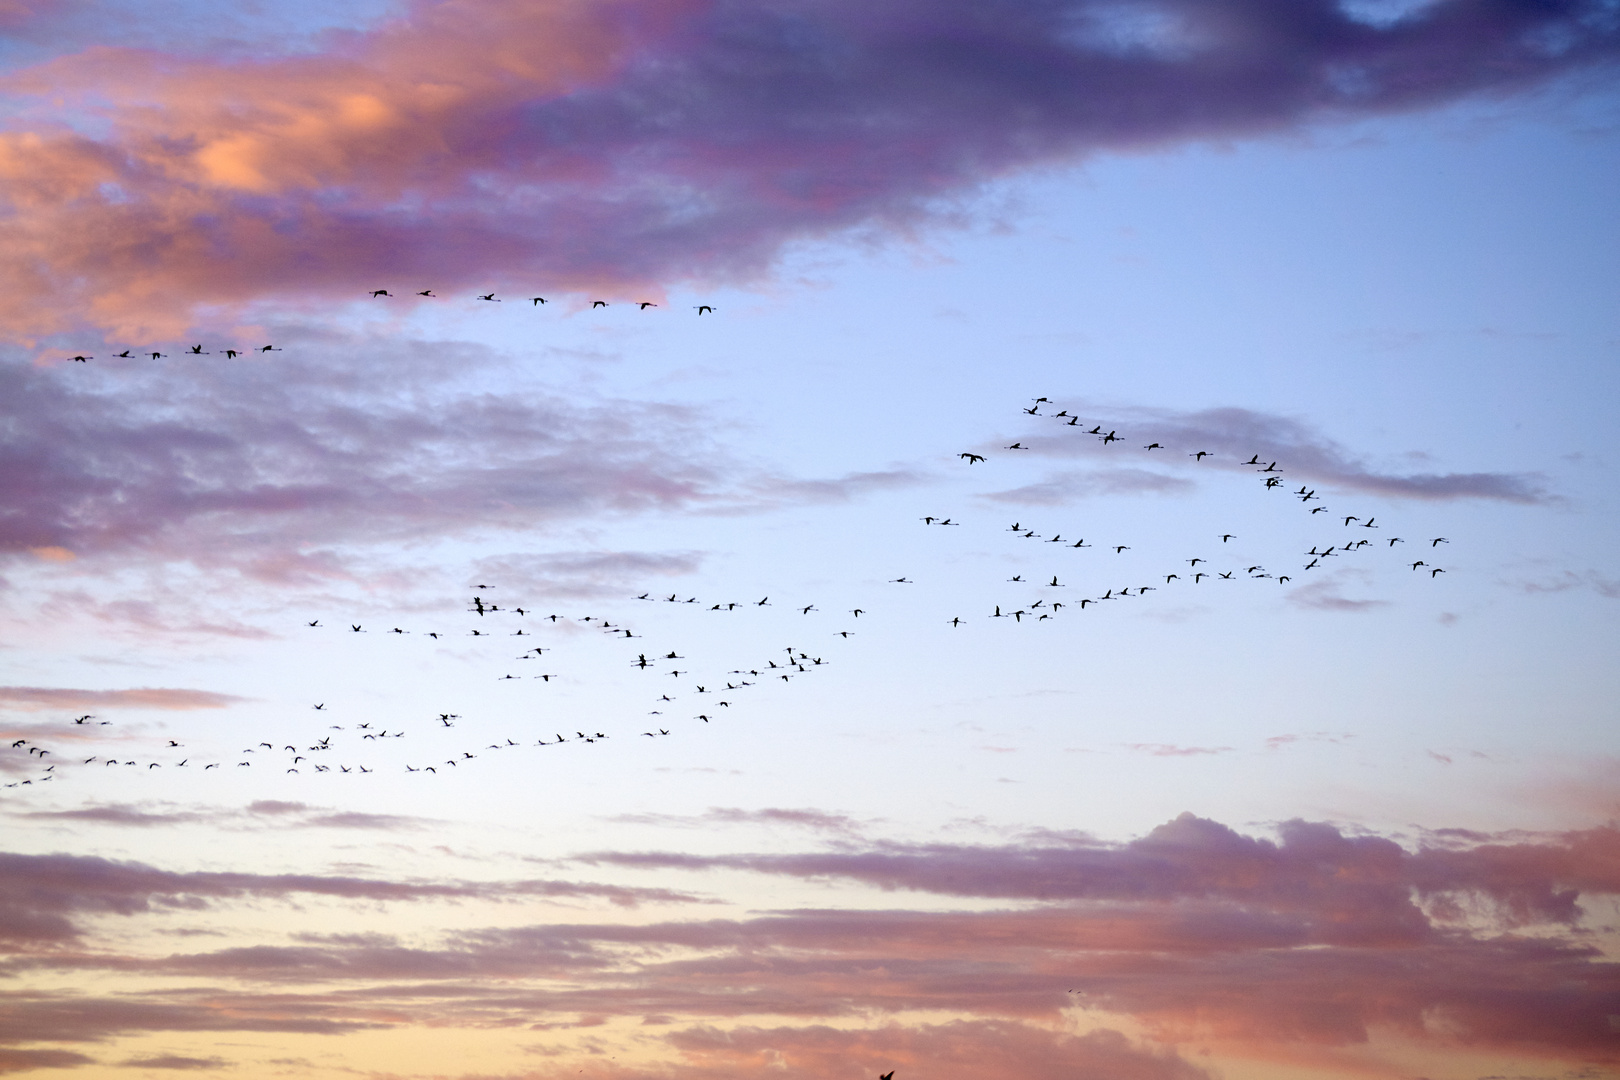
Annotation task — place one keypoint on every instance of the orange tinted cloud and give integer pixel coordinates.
(1289, 951)
(614, 143)
(146, 697)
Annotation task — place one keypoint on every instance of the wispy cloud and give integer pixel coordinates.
(1171, 750)
(40, 894)
(1328, 595)
(815, 820)
(1063, 487)
(584, 574)
(1233, 436)
(173, 1061)
(270, 470)
(44, 697)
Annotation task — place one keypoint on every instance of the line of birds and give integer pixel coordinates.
(537, 301)
(195, 350)
(310, 754)
(234, 352)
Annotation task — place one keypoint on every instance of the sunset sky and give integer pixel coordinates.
(404, 678)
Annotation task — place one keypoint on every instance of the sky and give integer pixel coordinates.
(1029, 538)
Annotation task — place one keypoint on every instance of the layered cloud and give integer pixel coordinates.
(1369, 883)
(625, 144)
(41, 896)
(1286, 949)
(268, 469)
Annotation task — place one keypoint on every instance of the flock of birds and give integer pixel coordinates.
(1215, 565)
(234, 352)
(681, 697)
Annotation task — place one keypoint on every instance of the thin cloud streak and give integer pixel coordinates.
(147, 697)
(40, 894)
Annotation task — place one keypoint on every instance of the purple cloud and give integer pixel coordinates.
(1285, 948)
(39, 894)
(283, 458)
(1233, 436)
(615, 146)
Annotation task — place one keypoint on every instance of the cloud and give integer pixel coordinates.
(1284, 949)
(270, 470)
(12, 1060)
(784, 489)
(611, 146)
(292, 816)
(40, 894)
(174, 1061)
(579, 575)
(39, 697)
(120, 815)
(285, 471)
(1065, 486)
(1368, 880)
(1167, 750)
(1232, 436)
(963, 1050)
(1324, 595)
(1569, 579)
(807, 818)
(50, 1018)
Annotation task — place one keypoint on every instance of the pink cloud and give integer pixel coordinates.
(614, 146)
(1285, 949)
(964, 1050)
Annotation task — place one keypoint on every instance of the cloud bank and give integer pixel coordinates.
(623, 144)
(1287, 950)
